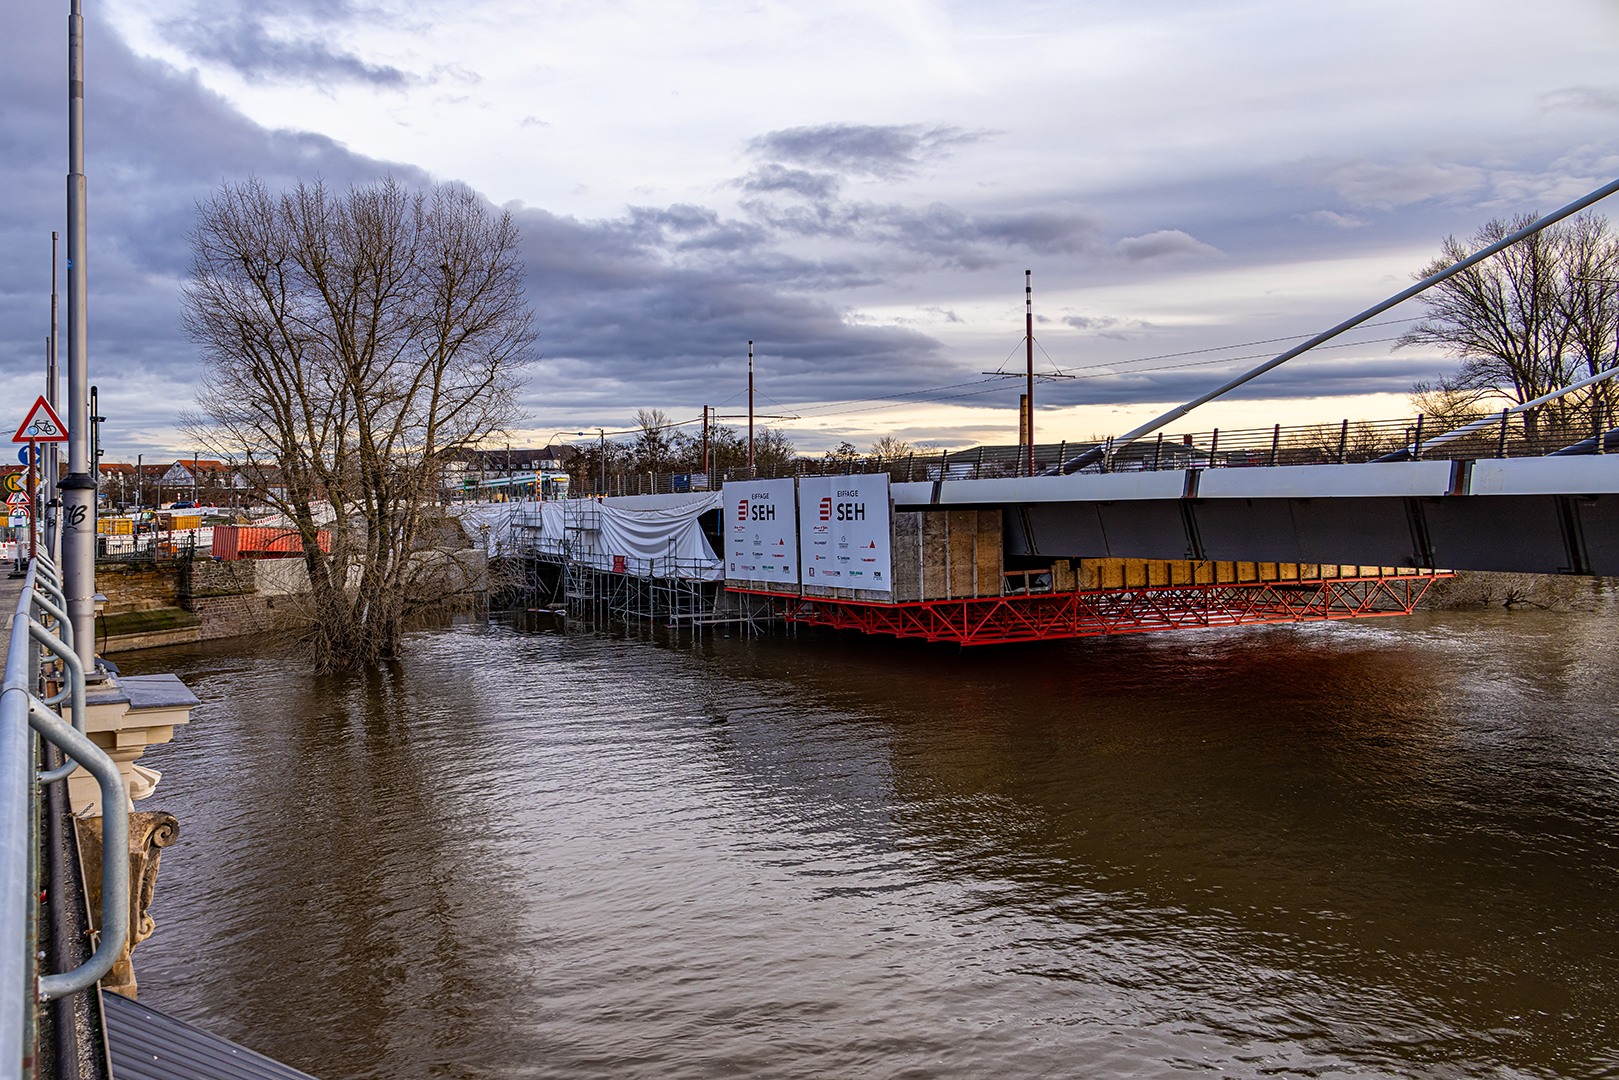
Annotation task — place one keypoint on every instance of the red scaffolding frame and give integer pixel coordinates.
(1047, 616)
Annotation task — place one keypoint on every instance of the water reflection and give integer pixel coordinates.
(1381, 848)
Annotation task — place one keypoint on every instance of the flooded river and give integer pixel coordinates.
(1378, 849)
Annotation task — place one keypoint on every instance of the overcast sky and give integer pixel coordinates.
(856, 187)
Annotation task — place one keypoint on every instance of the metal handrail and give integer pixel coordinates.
(21, 986)
(114, 851)
(59, 613)
(75, 690)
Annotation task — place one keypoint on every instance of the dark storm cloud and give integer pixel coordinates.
(249, 47)
(156, 142)
(1163, 244)
(806, 204)
(1368, 371)
(939, 232)
(279, 40)
(623, 325)
(819, 186)
(653, 306)
(876, 151)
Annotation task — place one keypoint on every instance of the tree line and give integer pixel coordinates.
(660, 446)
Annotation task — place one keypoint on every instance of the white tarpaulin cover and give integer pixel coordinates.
(489, 525)
(761, 531)
(843, 523)
(645, 535)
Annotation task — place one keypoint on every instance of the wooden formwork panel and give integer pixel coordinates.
(935, 555)
(991, 553)
(1093, 574)
(961, 531)
(907, 557)
(947, 554)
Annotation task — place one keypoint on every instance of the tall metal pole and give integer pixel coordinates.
(78, 489)
(750, 404)
(53, 468)
(706, 472)
(1028, 334)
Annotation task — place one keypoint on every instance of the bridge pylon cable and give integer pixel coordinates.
(1092, 456)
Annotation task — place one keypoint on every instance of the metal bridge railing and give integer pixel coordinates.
(25, 707)
(1346, 442)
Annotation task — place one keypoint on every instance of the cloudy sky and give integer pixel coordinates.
(857, 187)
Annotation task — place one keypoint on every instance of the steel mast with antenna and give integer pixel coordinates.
(1028, 398)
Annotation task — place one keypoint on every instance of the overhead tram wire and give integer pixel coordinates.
(1003, 379)
(1005, 383)
(1239, 345)
(1092, 456)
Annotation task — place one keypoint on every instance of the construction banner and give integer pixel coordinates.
(844, 525)
(761, 532)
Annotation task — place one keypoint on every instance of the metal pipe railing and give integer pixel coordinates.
(1527, 406)
(63, 651)
(22, 988)
(114, 851)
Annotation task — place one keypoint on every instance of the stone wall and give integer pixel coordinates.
(214, 598)
(141, 586)
(219, 599)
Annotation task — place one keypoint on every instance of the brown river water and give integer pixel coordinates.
(1385, 848)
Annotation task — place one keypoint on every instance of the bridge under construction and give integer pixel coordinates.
(997, 544)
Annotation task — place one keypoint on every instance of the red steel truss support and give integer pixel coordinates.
(1040, 617)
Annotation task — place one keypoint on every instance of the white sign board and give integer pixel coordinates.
(761, 531)
(844, 525)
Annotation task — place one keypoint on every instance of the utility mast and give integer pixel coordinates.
(750, 405)
(78, 488)
(1028, 397)
(53, 469)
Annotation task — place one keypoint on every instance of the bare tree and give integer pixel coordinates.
(845, 454)
(891, 447)
(655, 444)
(773, 449)
(356, 344)
(1589, 301)
(1445, 406)
(1524, 322)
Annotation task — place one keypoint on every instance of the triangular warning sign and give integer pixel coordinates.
(17, 498)
(41, 425)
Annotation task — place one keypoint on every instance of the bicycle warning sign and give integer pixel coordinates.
(42, 425)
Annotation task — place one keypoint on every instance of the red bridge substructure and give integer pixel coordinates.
(1047, 616)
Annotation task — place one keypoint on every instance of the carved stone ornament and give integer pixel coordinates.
(149, 833)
